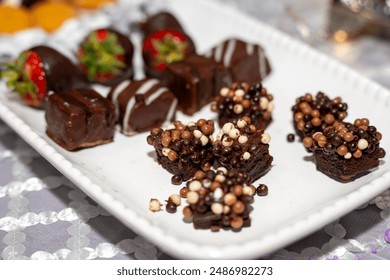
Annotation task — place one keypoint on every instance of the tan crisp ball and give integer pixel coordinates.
(307, 142)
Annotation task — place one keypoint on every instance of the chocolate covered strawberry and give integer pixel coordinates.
(39, 70)
(106, 57)
(164, 47)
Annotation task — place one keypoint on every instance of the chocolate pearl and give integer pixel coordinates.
(186, 134)
(365, 121)
(357, 154)
(315, 114)
(307, 142)
(176, 179)
(238, 190)
(187, 212)
(328, 147)
(238, 207)
(201, 122)
(172, 155)
(210, 175)
(150, 140)
(371, 129)
(226, 151)
(342, 150)
(177, 145)
(298, 116)
(381, 153)
(199, 175)
(207, 129)
(306, 117)
(170, 207)
(165, 141)
(201, 207)
(348, 137)
(195, 158)
(336, 140)
(262, 190)
(156, 131)
(290, 137)
(316, 122)
(362, 133)
(183, 192)
(236, 147)
(186, 142)
(307, 127)
(237, 223)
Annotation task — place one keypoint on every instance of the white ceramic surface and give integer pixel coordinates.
(124, 175)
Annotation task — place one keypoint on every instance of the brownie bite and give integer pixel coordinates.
(241, 99)
(195, 81)
(346, 150)
(242, 146)
(142, 105)
(244, 61)
(219, 199)
(79, 118)
(313, 114)
(184, 149)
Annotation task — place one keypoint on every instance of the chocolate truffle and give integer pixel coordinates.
(195, 81)
(220, 199)
(241, 146)
(313, 114)
(142, 105)
(344, 150)
(245, 62)
(79, 118)
(241, 100)
(184, 149)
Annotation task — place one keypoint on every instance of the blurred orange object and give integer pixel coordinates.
(92, 4)
(51, 15)
(13, 19)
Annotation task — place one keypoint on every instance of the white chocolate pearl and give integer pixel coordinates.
(222, 169)
(171, 126)
(197, 133)
(265, 138)
(204, 140)
(239, 92)
(165, 151)
(217, 208)
(238, 108)
(347, 155)
(264, 103)
(271, 106)
(362, 144)
(220, 178)
(192, 197)
(224, 91)
(195, 186)
(227, 127)
(227, 142)
(247, 191)
(154, 205)
(218, 194)
(229, 199)
(206, 183)
(234, 133)
(242, 139)
(176, 199)
(246, 156)
(241, 123)
(226, 209)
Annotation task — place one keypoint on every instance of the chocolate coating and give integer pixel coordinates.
(160, 21)
(142, 105)
(195, 81)
(79, 118)
(245, 62)
(60, 72)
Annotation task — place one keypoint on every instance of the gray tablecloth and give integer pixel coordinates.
(44, 216)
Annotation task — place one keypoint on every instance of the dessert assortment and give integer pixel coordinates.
(218, 160)
(341, 149)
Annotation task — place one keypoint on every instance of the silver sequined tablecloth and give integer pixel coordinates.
(44, 216)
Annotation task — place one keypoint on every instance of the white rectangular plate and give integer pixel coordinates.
(123, 176)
